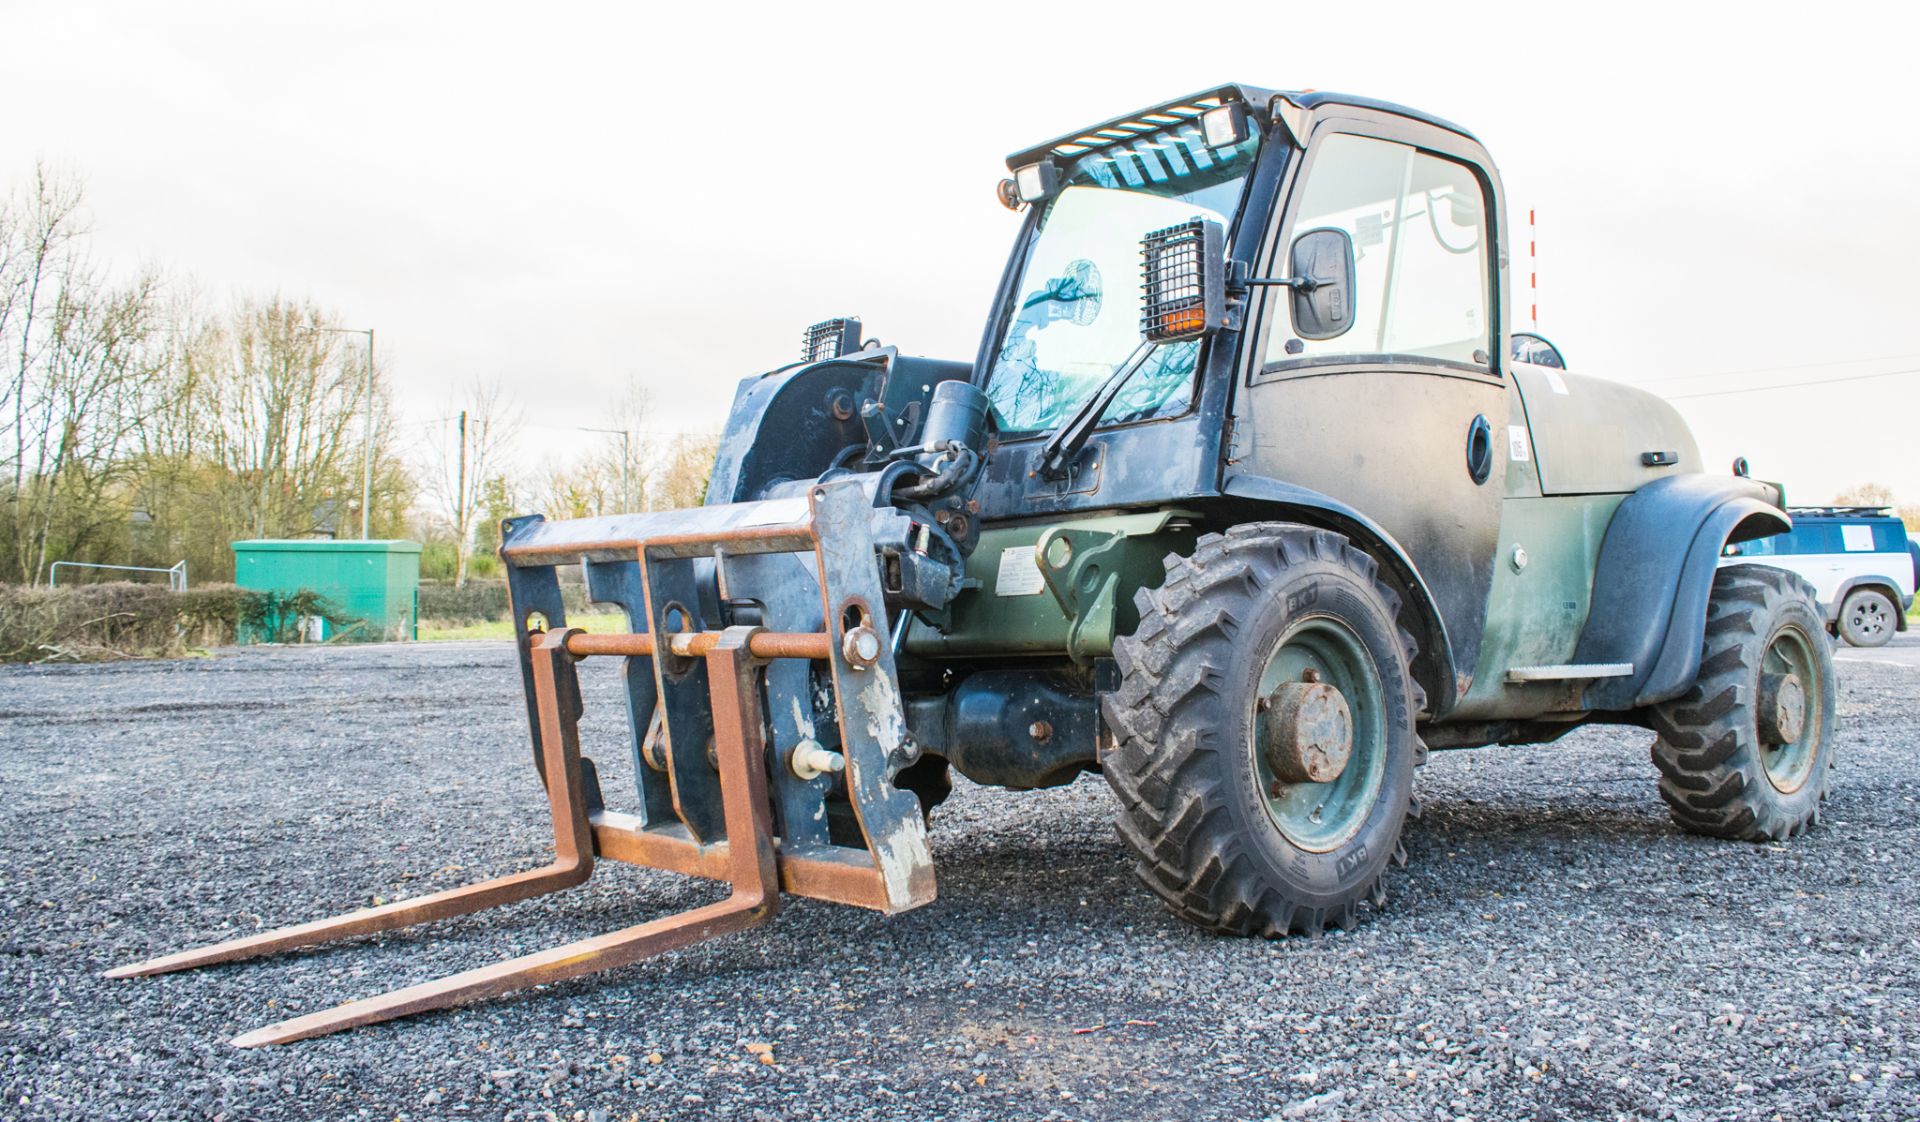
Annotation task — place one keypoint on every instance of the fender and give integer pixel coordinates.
(1666, 535)
(1433, 664)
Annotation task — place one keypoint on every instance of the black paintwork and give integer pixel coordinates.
(1668, 534)
(1184, 459)
(791, 424)
(1011, 728)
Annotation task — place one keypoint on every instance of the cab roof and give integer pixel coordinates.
(1189, 108)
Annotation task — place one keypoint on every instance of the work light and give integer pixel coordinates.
(1185, 282)
(1225, 125)
(1037, 181)
(830, 338)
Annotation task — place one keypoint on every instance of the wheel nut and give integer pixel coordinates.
(1040, 731)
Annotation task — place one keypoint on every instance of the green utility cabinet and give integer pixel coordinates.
(376, 583)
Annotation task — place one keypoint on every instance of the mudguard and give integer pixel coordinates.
(1666, 536)
(1434, 662)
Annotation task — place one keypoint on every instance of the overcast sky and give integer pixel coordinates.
(566, 197)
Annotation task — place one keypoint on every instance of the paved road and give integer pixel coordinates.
(1904, 650)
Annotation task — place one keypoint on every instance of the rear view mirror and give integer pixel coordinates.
(1321, 264)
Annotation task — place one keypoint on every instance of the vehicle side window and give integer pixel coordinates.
(1418, 224)
(1815, 537)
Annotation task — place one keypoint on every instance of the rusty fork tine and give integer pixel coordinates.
(602, 952)
(572, 832)
(367, 921)
(741, 751)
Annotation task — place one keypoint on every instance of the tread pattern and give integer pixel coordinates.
(1708, 750)
(1164, 765)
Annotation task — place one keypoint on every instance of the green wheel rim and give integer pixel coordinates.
(1788, 766)
(1320, 817)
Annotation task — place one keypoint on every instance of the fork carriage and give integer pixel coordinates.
(726, 788)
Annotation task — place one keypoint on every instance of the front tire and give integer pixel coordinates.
(1745, 752)
(1867, 618)
(1216, 803)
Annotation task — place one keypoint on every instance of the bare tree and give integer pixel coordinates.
(1865, 494)
(277, 407)
(119, 397)
(621, 474)
(476, 440)
(82, 358)
(682, 478)
(38, 251)
(579, 491)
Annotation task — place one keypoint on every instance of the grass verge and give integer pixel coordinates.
(432, 631)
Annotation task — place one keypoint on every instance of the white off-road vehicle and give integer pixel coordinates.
(1856, 558)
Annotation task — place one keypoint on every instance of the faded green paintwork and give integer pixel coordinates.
(1535, 614)
(1088, 571)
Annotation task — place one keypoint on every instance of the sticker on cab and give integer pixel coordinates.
(1517, 442)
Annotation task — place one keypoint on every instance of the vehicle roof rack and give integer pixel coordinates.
(1122, 129)
(1840, 511)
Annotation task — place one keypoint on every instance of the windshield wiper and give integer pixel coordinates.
(1063, 444)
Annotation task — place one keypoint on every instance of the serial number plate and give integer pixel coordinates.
(1019, 573)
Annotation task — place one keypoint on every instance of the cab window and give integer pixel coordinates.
(1419, 230)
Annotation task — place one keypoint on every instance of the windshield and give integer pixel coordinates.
(1077, 316)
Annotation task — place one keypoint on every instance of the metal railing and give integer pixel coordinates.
(176, 576)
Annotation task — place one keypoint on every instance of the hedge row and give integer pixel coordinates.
(121, 620)
(482, 601)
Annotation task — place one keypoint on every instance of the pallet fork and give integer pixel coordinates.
(725, 792)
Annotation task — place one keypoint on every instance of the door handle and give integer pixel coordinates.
(1479, 449)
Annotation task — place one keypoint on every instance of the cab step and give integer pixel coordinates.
(1572, 671)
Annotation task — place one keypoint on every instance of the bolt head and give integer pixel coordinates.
(861, 646)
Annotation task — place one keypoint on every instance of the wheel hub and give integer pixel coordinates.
(1308, 732)
(1782, 709)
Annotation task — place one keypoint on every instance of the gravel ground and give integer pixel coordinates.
(1556, 949)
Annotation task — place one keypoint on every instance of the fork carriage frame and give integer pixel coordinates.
(719, 798)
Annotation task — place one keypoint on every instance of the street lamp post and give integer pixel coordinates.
(626, 461)
(366, 433)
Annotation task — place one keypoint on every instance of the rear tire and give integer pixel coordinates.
(1868, 618)
(1266, 609)
(1742, 754)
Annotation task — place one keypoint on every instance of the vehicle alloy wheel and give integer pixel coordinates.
(1867, 618)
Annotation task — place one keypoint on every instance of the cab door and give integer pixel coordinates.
(1404, 413)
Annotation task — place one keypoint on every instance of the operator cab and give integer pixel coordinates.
(1251, 296)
